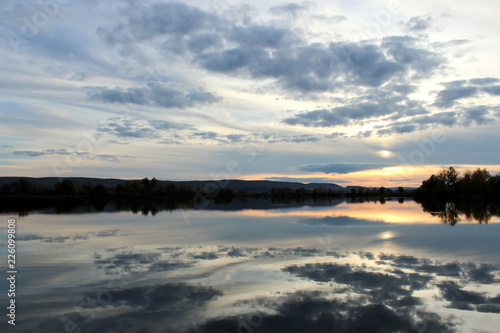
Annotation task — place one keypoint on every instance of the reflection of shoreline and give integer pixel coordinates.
(388, 210)
(452, 212)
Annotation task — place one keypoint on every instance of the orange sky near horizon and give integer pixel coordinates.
(406, 176)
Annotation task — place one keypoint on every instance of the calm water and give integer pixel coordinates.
(259, 266)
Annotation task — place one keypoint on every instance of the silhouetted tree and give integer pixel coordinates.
(135, 188)
(480, 181)
(21, 186)
(382, 190)
(100, 190)
(67, 187)
(87, 188)
(146, 185)
(449, 178)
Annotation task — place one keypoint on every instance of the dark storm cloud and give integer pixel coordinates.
(342, 168)
(156, 94)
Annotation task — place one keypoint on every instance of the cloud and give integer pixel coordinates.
(468, 300)
(46, 152)
(484, 274)
(154, 93)
(148, 22)
(478, 114)
(316, 67)
(418, 24)
(266, 51)
(420, 122)
(446, 98)
(262, 37)
(79, 77)
(291, 9)
(405, 51)
(483, 81)
(201, 42)
(168, 125)
(340, 221)
(128, 127)
(178, 297)
(391, 101)
(492, 90)
(64, 152)
(316, 312)
(308, 180)
(107, 233)
(342, 168)
(206, 135)
(62, 239)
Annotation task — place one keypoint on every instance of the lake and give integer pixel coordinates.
(258, 265)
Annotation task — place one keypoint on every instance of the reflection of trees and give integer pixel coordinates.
(451, 212)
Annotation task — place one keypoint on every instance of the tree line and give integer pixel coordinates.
(68, 187)
(449, 182)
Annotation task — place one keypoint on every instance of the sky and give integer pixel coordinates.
(373, 93)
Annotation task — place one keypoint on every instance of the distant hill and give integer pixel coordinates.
(259, 186)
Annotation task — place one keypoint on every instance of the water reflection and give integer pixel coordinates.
(239, 289)
(392, 210)
(260, 266)
(450, 212)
